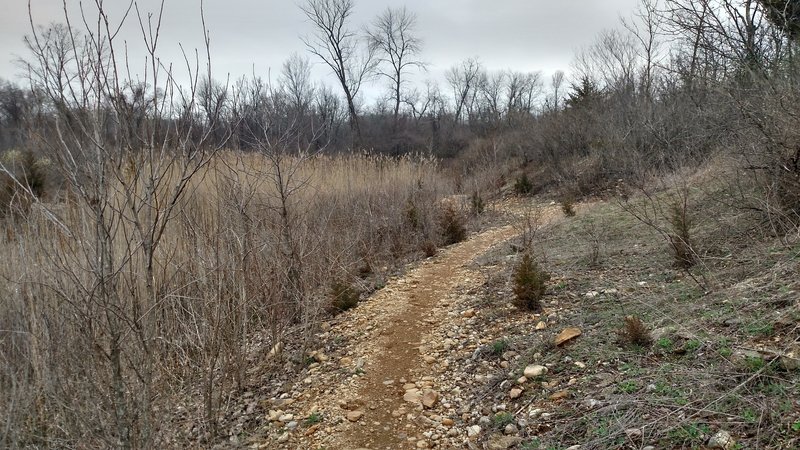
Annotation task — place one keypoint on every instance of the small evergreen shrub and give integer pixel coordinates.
(412, 216)
(30, 177)
(313, 419)
(452, 226)
(499, 347)
(568, 205)
(530, 283)
(428, 248)
(501, 420)
(523, 185)
(343, 296)
(8, 190)
(477, 204)
(33, 174)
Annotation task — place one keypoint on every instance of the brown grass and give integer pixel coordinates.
(250, 250)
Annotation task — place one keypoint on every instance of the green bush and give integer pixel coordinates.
(477, 203)
(343, 296)
(412, 215)
(30, 177)
(501, 419)
(529, 284)
(499, 347)
(452, 226)
(523, 185)
(428, 248)
(568, 205)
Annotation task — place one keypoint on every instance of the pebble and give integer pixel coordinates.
(354, 416)
(474, 430)
(722, 440)
(430, 398)
(533, 371)
(633, 433)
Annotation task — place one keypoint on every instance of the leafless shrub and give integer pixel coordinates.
(635, 333)
(594, 233)
(680, 236)
(533, 219)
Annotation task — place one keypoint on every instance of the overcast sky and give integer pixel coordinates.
(258, 35)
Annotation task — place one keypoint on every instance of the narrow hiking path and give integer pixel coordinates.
(398, 363)
(382, 389)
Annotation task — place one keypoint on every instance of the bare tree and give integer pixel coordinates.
(464, 79)
(556, 81)
(491, 87)
(392, 34)
(340, 48)
(128, 155)
(646, 27)
(295, 80)
(610, 61)
(522, 89)
(785, 14)
(422, 104)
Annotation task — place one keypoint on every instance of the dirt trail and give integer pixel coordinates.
(398, 357)
(390, 346)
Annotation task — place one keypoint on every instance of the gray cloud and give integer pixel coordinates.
(256, 35)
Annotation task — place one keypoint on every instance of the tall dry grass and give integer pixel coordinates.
(248, 254)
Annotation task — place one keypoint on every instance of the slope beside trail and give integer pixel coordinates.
(381, 389)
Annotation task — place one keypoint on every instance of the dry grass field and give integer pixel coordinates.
(252, 246)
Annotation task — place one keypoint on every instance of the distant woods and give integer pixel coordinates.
(675, 82)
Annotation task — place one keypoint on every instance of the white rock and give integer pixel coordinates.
(535, 371)
(633, 433)
(474, 430)
(722, 440)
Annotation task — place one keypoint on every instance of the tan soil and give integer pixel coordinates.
(398, 356)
